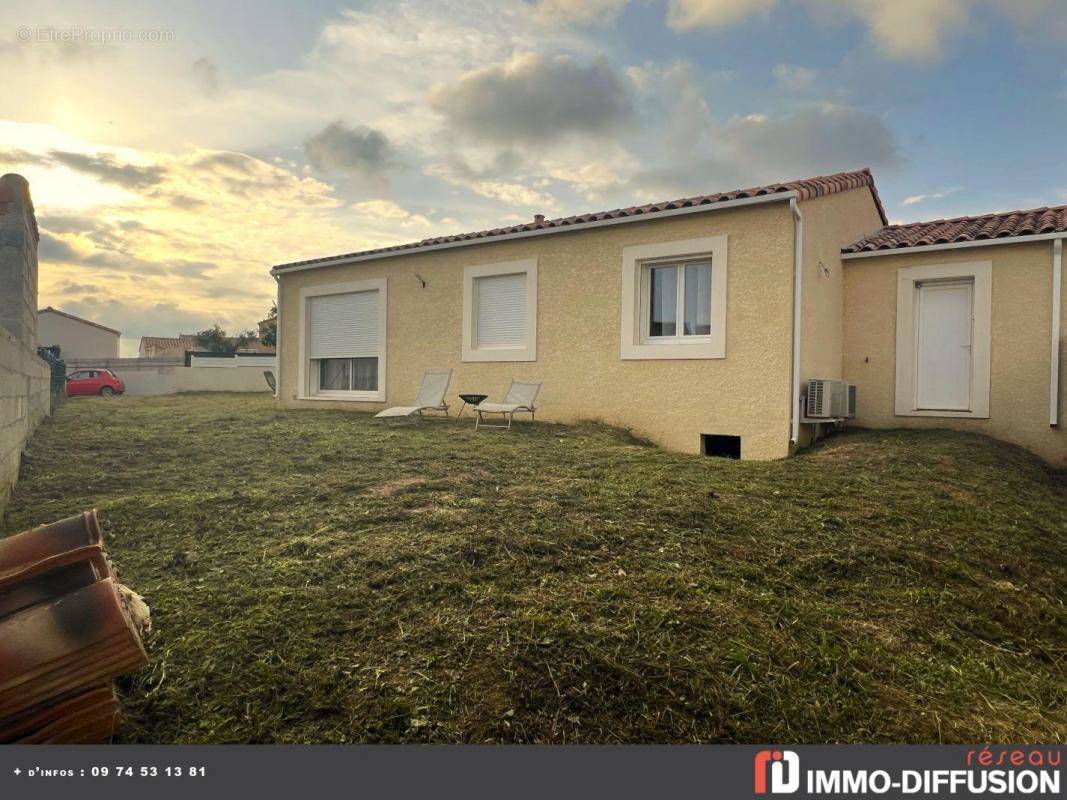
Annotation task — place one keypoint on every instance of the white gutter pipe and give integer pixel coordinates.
(798, 282)
(278, 337)
(1054, 382)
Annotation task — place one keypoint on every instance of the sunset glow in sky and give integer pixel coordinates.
(175, 151)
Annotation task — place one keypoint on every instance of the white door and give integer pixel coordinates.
(943, 346)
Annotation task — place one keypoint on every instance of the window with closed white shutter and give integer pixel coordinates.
(344, 325)
(345, 346)
(501, 303)
(500, 311)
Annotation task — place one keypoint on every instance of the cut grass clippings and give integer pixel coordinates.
(317, 577)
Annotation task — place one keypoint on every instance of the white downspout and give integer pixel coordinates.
(278, 337)
(798, 280)
(1054, 384)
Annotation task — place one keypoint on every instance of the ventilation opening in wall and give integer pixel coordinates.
(714, 444)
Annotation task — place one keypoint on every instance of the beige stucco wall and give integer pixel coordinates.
(1020, 356)
(830, 223)
(578, 347)
(75, 339)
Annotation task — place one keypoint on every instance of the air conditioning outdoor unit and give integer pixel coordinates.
(830, 399)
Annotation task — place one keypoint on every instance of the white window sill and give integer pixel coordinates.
(500, 354)
(635, 346)
(703, 349)
(348, 397)
(934, 413)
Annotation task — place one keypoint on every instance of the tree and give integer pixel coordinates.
(242, 340)
(215, 340)
(268, 328)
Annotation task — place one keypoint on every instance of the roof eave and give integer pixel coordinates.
(721, 205)
(50, 310)
(926, 248)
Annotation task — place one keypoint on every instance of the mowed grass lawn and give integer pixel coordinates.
(316, 577)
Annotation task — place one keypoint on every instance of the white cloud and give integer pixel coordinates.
(915, 199)
(390, 211)
(509, 193)
(579, 12)
(689, 14)
(146, 243)
(902, 29)
(793, 77)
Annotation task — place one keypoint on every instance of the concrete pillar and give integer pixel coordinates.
(18, 260)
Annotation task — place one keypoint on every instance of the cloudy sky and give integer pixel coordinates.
(171, 170)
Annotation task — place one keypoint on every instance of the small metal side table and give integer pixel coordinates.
(469, 400)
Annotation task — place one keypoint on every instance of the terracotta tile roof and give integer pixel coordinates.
(185, 340)
(964, 229)
(805, 189)
(50, 310)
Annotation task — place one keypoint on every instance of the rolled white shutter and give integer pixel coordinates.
(501, 314)
(344, 325)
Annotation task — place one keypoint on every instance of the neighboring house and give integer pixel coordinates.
(166, 346)
(176, 347)
(676, 319)
(266, 327)
(256, 346)
(77, 338)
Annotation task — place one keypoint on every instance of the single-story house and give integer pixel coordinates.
(172, 347)
(177, 347)
(698, 323)
(76, 337)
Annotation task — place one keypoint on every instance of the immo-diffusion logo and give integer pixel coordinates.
(1016, 770)
(784, 769)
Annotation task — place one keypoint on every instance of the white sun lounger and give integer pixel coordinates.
(521, 397)
(431, 397)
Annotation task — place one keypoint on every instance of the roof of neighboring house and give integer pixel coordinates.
(187, 341)
(182, 341)
(1004, 225)
(50, 310)
(255, 346)
(805, 190)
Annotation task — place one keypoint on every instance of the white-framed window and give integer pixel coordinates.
(674, 299)
(342, 349)
(500, 311)
(943, 340)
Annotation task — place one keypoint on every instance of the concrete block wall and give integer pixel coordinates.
(142, 376)
(212, 379)
(154, 376)
(18, 260)
(24, 376)
(24, 401)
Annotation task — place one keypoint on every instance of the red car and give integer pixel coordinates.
(94, 381)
